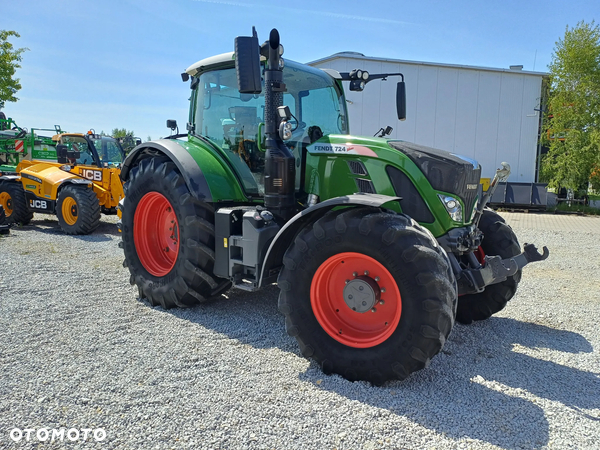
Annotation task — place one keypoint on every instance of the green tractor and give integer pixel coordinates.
(377, 245)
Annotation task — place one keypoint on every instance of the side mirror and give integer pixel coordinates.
(401, 100)
(247, 64)
(172, 124)
(61, 153)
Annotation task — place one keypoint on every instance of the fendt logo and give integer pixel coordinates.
(94, 175)
(39, 204)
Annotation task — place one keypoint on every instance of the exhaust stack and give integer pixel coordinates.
(280, 168)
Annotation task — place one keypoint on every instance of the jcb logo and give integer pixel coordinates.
(40, 204)
(94, 175)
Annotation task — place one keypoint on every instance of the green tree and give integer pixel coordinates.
(9, 63)
(121, 133)
(126, 138)
(573, 125)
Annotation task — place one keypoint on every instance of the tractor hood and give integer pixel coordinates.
(445, 171)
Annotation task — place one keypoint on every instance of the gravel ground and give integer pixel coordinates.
(79, 350)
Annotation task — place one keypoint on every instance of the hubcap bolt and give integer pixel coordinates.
(381, 302)
(376, 278)
(347, 281)
(373, 310)
(354, 274)
(366, 272)
(382, 289)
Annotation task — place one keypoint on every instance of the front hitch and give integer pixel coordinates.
(495, 269)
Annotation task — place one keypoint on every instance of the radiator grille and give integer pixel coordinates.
(357, 168)
(365, 186)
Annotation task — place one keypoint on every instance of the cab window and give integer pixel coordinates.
(79, 144)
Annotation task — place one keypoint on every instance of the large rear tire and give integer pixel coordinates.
(77, 209)
(14, 202)
(368, 295)
(168, 237)
(499, 239)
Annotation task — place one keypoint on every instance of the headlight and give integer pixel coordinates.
(365, 75)
(453, 207)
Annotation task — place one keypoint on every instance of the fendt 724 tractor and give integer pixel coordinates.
(377, 245)
(77, 182)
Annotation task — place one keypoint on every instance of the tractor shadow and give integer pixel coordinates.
(50, 226)
(482, 386)
(494, 384)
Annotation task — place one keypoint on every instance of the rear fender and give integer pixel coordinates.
(187, 165)
(285, 236)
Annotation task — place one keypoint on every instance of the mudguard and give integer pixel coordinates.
(191, 172)
(288, 232)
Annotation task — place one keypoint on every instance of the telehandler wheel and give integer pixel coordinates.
(499, 239)
(369, 295)
(77, 209)
(4, 229)
(168, 237)
(14, 202)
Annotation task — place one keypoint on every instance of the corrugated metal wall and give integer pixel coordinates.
(486, 115)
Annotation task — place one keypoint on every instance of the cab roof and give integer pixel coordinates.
(206, 63)
(225, 59)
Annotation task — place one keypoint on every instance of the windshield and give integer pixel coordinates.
(79, 144)
(232, 120)
(109, 150)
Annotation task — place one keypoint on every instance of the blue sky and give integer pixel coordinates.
(105, 64)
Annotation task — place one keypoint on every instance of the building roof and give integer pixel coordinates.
(361, 57)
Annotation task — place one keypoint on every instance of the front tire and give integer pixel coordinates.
(77, 209)
(168, 237)
(369, 295)
(498, 239)
(14, 202)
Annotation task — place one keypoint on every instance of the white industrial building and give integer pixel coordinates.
(490, 115)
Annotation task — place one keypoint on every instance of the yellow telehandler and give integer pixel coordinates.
(78, 186)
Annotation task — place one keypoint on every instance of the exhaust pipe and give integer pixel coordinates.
(280, 170)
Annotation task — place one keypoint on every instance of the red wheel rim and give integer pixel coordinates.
(333, 284)
(156, 234)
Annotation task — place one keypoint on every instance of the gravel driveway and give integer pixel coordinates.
(78, 350)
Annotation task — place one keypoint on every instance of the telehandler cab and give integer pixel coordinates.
(377, 245)
(80, 183)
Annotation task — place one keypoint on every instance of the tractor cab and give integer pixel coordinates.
(235, 121)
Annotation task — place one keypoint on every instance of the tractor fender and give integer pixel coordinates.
(192, 174)
(285, 236)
